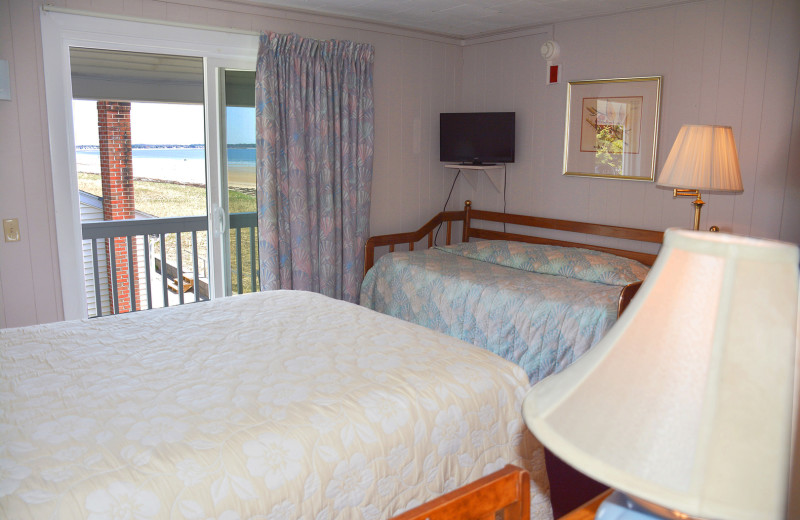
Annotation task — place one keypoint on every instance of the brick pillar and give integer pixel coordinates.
(116, 171)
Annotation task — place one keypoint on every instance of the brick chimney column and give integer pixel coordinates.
(116, 171)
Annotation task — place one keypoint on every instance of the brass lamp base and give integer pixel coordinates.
(698, 203)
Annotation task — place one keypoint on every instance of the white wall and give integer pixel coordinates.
(729, 62)
(415, 78)
(723, 62)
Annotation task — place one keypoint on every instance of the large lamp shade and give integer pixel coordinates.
(703, 158)
(687, 402)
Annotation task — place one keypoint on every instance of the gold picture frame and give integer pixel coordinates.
(612, 128)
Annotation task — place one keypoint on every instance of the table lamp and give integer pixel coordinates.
(686, 405)
(703, 158)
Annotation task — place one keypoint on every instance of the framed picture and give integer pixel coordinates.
(612, 128)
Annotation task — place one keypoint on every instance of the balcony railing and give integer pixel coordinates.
(245, 266)
(149, 248)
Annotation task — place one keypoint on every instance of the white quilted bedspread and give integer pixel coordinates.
(280, 405)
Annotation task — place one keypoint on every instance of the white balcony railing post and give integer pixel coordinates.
(142, 229)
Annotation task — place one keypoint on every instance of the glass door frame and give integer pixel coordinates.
(62, 29)
(219, 245)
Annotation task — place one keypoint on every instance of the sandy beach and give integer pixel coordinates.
(243, 176)
(181, 171)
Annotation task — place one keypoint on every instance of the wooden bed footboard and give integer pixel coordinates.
(506, 491)
(411, 237)
(469, 215)
(626, 296)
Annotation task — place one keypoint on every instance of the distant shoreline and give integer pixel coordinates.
(163, 146)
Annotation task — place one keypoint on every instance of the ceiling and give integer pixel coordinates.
(466, 18)
(135, 76)
(161, 78)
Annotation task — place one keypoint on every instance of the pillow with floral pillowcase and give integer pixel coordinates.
(572, 262)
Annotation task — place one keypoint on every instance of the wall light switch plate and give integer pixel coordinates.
(11, 229)
(5, 81)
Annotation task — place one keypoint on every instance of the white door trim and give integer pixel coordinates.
(60, 31)
(219, 251)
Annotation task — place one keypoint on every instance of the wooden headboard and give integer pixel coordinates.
(468, 216)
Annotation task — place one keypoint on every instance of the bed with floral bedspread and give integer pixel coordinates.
(276, 405)
(539, 306)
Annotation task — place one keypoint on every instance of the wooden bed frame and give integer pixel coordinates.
(469, 215)
(568, 487)
(506, 491)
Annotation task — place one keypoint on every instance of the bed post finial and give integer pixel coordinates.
(465, 232)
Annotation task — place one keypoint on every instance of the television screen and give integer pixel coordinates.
(476, 137)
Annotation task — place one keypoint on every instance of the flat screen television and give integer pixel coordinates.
(478, 138)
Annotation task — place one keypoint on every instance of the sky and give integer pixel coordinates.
(241, 126)
(164, 123)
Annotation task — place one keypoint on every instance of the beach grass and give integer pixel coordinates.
(168, 199)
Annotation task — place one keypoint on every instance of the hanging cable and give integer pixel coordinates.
(505, 182)
(436, 236)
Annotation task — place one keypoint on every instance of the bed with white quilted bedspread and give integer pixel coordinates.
(278, 405)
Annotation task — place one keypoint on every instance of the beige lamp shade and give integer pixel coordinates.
(704, 158)
(687, 402)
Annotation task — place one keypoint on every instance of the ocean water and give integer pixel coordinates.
(185, 165)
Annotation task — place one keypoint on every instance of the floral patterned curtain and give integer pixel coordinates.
(314, 141)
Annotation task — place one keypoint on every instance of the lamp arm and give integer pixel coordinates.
(698, 203)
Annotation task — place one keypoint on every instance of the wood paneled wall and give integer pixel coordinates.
(416, 77)
(723, 62)
(731, 62)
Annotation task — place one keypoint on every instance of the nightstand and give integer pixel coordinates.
(587, 510)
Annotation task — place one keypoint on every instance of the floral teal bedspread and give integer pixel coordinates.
(538, 306)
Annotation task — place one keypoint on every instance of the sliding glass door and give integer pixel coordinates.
(240, 173)
(232, 194)
(230, 263)
(139, 130)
